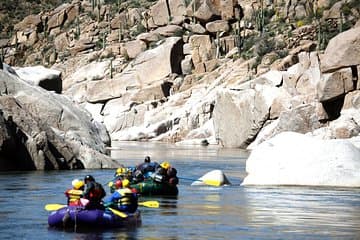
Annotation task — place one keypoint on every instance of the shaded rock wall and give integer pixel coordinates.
(45, 130)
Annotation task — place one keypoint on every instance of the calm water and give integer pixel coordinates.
(234, 212)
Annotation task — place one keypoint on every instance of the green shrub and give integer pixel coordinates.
(139, 29)
(300, 23)
(248, 44)
(263, 46)
(282, 53)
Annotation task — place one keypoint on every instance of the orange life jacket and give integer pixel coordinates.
(74, 196)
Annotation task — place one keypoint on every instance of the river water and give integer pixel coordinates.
(232, 212)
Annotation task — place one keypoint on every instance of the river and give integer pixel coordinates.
(232, 212)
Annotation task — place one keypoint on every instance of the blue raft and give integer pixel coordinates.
(73, 216)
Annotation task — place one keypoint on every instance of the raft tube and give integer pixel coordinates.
(150, 188)
(73, 216)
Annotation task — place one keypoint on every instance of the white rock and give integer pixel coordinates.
(92, 71)
(35, 74)
(296, 159)
(95, 111)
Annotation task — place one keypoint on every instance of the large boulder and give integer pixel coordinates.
(302, 118)
(163, 12)
(295, 159)
(207, 11)
(166, 57)
(342, 51)
(62, 14)
(91, 72)
(296, 117)
(335, 84)
(49, 79)
(140, 73)
(201, 51)
(134, 48)
(303, 77)
(29, 22)
(54, 133)
(217, 26)
(127, 115)
(239, 116)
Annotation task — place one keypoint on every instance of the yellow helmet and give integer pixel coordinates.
(125, 183)
(165, 165)
(77, 184)
(120, 170)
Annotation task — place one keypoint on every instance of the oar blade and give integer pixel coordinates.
(118, 213)
(150, 204)
(54, 207)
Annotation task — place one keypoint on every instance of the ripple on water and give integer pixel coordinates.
(233, 212)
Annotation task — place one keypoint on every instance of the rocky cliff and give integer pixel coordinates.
(43, 130)
(232, 73)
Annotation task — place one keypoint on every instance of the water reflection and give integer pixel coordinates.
(130, 152)
(312, 211)
(168, 206)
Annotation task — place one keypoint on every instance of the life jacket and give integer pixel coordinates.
(138, 176)
(158, 178)
(74, 196)
(127, 198)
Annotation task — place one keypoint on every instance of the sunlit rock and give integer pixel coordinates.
(93, 71)
(295, 159)
(49, 79)
(159, 12)
(342, 51)
(334, 85)
(249, 110)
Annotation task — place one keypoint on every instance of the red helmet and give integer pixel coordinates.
(118, 184)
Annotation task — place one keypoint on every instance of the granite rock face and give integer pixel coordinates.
(43, 130)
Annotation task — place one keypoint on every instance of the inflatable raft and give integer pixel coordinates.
(149, 188)
(73, 216)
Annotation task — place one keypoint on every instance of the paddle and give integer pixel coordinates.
(118, 213)
(54, 207)
(149, 204)
(206, 181)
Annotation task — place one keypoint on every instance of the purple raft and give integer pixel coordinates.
(79, 217)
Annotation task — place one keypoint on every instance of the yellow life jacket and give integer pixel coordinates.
(126, 196)
(74, 195)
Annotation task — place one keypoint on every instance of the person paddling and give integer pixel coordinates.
(94, 192)
(124, 198)
(147, 167)
(165, 173)
(120, 174)
(75, 193)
